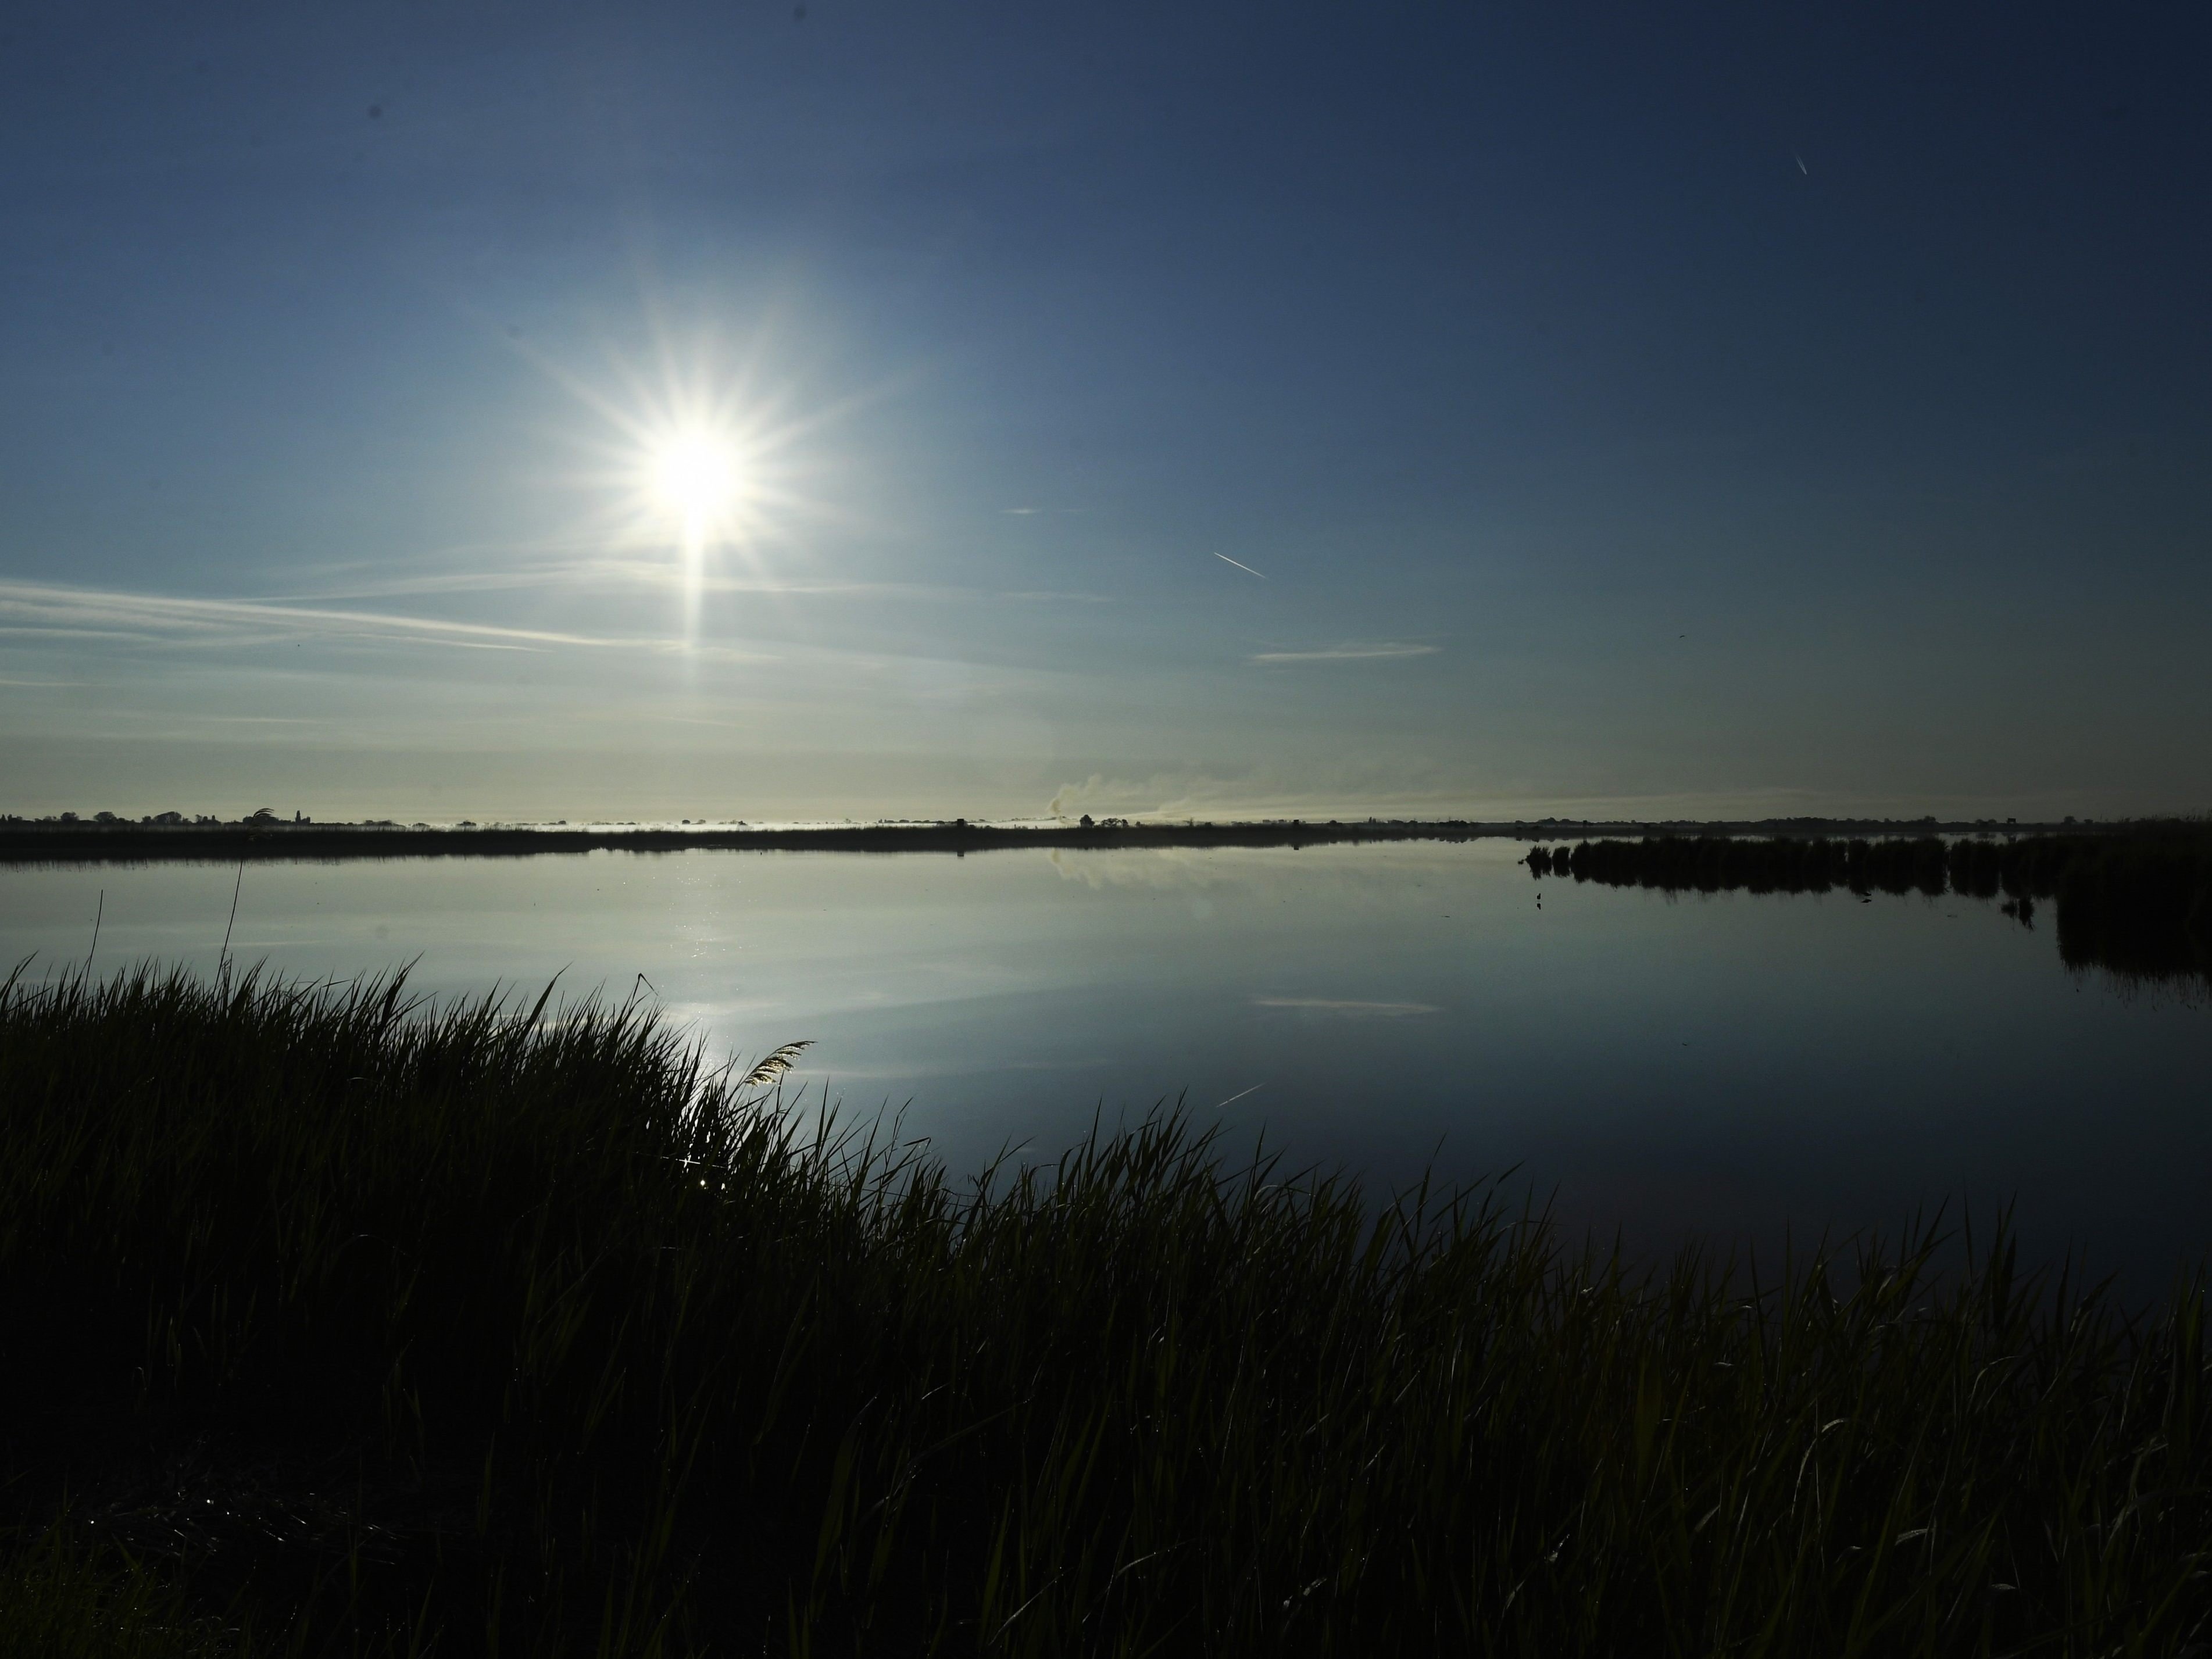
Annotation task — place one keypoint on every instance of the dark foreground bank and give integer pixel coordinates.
(339, 1324)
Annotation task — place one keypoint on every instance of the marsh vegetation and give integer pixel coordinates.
(342, 1322)
(2138, 904)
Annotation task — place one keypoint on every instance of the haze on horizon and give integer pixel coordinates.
(751, 410)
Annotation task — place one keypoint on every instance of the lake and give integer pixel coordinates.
(1734, 1067)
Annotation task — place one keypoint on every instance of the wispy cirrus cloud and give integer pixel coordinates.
(602, 583)
(1355, 651)
(1346, 1010)
(587, 572)
(35, 608)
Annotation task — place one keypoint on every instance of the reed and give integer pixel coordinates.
(356, 1324)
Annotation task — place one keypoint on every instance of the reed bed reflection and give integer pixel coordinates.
(2138, 904)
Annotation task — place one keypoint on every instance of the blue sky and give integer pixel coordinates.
(1630, 410)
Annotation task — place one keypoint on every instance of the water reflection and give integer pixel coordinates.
(1725, 1063)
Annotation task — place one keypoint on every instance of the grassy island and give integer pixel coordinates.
(339, 1323)
(2137, 902)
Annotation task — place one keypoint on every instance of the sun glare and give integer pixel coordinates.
(694, 468)
(695, 477)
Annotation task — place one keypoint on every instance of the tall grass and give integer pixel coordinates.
(379, 1325)
(62, 1602)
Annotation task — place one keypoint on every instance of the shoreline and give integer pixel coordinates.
(48, 842)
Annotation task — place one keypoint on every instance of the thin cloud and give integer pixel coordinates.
(1349, 1010)
(580, 576)
(1379, 650)
(81, 611)
(36, 632)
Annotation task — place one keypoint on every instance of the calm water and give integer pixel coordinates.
(1731, 1066)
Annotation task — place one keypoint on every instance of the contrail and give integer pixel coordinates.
(1247, 569)
(1801, 167)
(1256, 1087)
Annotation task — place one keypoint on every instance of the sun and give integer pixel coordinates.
(693, 475)
(698, 464)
